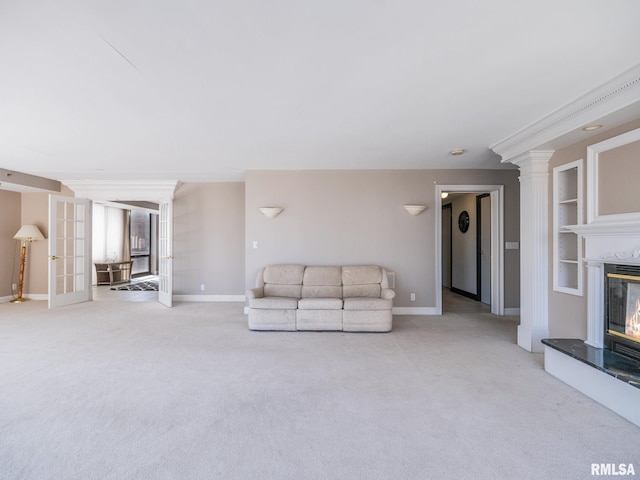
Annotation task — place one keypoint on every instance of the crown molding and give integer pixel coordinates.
(618, 93)
(113, 190)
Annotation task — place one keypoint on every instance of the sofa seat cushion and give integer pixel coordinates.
(367, 303)
(320, 304)
(274, 303)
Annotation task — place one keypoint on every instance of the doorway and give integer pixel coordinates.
(481, 272)
(159, 192)
(125, 243)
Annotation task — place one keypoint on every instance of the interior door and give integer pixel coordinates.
(69, 250)
(165, 253)
(485, 249)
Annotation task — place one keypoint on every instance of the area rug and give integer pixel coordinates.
(147, 285)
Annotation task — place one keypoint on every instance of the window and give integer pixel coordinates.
(140, 238)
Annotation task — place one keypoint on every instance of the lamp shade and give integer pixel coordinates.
(29, 232)
(271, 212)
(415, 209)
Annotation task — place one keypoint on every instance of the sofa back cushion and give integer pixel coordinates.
(322, 282)
(361, 281)
(283, 280)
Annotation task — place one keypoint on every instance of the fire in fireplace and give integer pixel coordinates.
(622, 309)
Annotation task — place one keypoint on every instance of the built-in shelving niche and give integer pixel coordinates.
(567, 245)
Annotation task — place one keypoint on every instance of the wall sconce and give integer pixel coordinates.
(27, 233)
(415, 209)
(271, 212)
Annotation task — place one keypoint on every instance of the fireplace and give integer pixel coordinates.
(622, 309)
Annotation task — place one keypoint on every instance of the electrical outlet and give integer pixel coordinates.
(14, 286)
(202, 287)
(413, 297)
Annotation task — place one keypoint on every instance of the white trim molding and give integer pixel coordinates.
(209, 298)
(112, 190)
(593, 182)
(497, 241)
(35, 297)
(613, 96)
(414, 311)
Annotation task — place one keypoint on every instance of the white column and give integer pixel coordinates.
(595, 307)
(534, 248)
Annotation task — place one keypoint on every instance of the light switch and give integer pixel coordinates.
(255, 244)
(512, 245)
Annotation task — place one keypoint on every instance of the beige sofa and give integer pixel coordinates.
(353, 298)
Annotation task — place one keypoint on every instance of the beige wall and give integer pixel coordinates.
(9, 248)
(568, 313)
(208, 239)
(331, 217)
(618, 174)
(351, 217)
(35, 211)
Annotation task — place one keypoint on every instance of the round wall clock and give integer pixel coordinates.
(463, 221)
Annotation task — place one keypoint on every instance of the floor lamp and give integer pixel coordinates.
(27, 233)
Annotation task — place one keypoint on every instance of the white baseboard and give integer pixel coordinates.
(414, 311)
(614, 394)
(209, 298)
(33, 296)
(398, 310)
(512, 311)
(37, 296)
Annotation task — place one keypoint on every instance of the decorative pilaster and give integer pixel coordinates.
(595, 307)
(534, 248)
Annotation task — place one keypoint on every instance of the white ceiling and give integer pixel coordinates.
(205, 90)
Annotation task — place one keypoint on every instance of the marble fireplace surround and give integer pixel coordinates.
(605, 244)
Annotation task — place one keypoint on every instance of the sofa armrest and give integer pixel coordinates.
(387, 294)
(255, 293)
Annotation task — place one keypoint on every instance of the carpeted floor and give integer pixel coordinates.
(138, 391)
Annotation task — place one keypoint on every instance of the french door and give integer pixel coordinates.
(69, 250)
(165, 253)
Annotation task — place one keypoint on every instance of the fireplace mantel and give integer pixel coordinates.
(607, 229)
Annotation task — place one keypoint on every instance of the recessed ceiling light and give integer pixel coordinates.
(457, 151)
(595, 126)
(444, 194)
